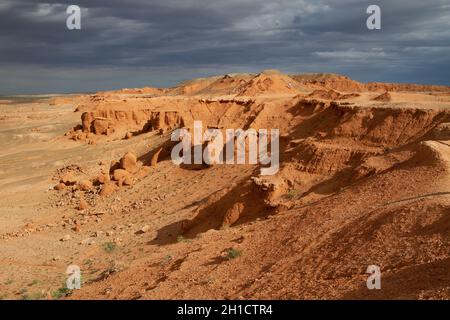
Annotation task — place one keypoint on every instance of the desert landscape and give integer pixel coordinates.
(364, 179)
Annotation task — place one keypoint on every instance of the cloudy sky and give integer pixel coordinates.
(135, 43)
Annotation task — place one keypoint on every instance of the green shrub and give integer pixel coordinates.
(109, 247)
(233, 254)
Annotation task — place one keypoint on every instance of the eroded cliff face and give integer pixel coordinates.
(363, 180)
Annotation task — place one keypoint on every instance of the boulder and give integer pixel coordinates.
(103, 179)
(85, 185)
(83, 205)
(127, 181)
(155, 157)
(68, 179)
(129, 162)
(232, 215)
(59, 186)
(100, 126)
(86, 119)
(120, 175)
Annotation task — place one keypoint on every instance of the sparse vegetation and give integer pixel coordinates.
(22, 291)
(167, 258)
(292, 193)
(182, 239)
(233, 254)
(61, 292)
(34, 282)
(34, 296)
(109, 247)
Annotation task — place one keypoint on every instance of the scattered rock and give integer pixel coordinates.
(143, 172)
(97, 234)
(60, 186)
(77, 227)
(83, 205)
(67, 237)
(384, 97)
(442, 131)
(108, 189)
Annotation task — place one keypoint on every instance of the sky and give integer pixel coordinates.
(136, 43)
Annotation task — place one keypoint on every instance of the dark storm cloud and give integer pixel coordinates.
(141, 42)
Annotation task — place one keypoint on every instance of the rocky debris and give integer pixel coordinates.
(330, 81)
(271, 187)
(442, 131)
(128, 181)
(103, 179)
(331, 94)
(76, 134)
(384, 97)
(165, 121)
(239, 101)
(108, 189)
(143, 172)
(87, 241)
(144, 229)
(109, 121)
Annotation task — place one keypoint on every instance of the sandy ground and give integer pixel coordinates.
(364, 180)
